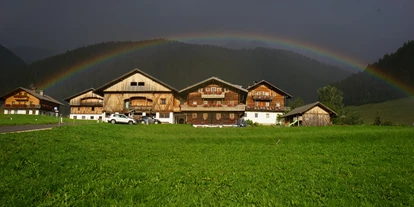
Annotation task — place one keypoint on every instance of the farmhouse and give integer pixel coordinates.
(25, 101)
(265, 102)
(213, 102)
(86, 105)
(314, 114)
(137, 94)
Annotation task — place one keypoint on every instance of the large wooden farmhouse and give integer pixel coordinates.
(137, 94)
(86, 105)
(213, 102)
(25, 101)
(265, 102)
(314, 114)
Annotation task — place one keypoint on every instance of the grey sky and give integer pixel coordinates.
(362, 29)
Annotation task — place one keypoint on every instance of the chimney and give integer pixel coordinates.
(41, 92)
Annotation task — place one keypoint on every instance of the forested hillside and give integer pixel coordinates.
(12, 70)
(181, 64)
(363, 87)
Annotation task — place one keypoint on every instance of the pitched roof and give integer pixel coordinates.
(303, 109)
(78, 94)
(33, 93)
(217, 79)
(136, 70)
(271, 85)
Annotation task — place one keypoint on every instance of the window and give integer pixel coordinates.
(83, 117)
(165, 115)
(141, 84)
(261, 93)
(194, 115)
(266, 93)
(267, 115)
(213, 89)
(31, 102)
(232, 102)
(207, 89)
(277, 104)
(194, 102)
(200, 90)
(134, 83)
(256, 115)
(256, 103)
(78, 108)
(218, 116)
(205, 116)
(12, 102)
(231, 115)
(218, 102)
(225, 89)
(205, 102)
(267, 104)
(218, 89)
(163, 101)
(92, 117)
(257, 93)
(93, 108)
(75, 117)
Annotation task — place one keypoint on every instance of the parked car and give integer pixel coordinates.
(121, 119)
(149, 119)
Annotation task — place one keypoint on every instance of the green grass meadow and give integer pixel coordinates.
(399, 112)
(20, 119)
(178, 165)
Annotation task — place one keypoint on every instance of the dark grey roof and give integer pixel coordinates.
(303, 109)
(80, 93)
(33, 93)
(217, 79)
(271, 85)
(136, 70)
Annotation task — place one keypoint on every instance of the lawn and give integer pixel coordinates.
(400, 111)
(19, 119)
(178, 165)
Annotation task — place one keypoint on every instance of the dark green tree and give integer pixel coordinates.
(331, 97)
(298, 102)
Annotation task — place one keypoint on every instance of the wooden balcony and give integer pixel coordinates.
(262, 98)
(141, 108)
(212, 108)
(97, 104)
(212, 95)
(269, 108)
(21, 97)
(21, 106)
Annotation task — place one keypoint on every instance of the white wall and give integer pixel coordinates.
(262, 117)
(165, 120)
(87, 116)
(6, 111)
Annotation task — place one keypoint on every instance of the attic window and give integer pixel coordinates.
(133, 83)
(141, 84)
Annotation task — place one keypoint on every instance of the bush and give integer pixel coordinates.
(387, 123)
(251, 123)
(377, 121)
(349, 118)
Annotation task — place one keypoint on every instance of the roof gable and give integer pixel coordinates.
(273, 87)
(43, 97)
(212, 79)
(123, 83)
(305, 108)
(85, 92)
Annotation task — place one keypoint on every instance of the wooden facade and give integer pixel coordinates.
(265, 102)
(137, 93)
(314, 114)
(213, 102)
(26, 101)
(86, 105)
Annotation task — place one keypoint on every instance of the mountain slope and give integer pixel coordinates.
(180, 64)
(11, 68)
(362, 88)
(32, 54)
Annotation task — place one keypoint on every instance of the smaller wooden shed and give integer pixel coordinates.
(314, 114)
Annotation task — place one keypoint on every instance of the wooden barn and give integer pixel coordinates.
(137, 94)
(86, 105)
(25, 101)
(265, 102)
(314, 114)
(213, 102)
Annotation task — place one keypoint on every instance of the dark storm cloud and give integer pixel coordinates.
(364, 29)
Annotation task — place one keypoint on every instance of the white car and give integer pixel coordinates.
(120, 118)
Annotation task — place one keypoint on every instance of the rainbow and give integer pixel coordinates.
(271, 40)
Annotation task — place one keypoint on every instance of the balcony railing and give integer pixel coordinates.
(212, 108)
(21, 106)
(266, 108)
(217, 94)
(90, 104)
(21, 97)
(141, 108)
(261, 97)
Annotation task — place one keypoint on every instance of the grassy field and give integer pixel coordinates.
(19, 119)
(178, 165)
(400, 111)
